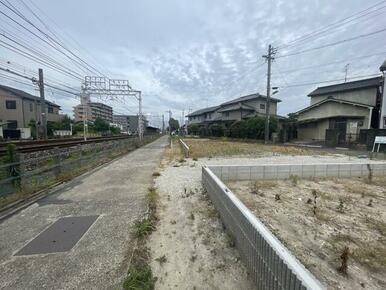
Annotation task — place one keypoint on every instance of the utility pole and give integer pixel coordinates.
(43, 118)
(140, 127)
(163, 124)
(170, 117)
(346, 72)
(269, 57)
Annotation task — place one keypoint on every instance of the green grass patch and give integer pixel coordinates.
(139, 278)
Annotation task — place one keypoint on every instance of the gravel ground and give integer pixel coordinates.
(345, 212)
(190, 249)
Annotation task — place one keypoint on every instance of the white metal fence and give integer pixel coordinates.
(270, 264)
(185, 148)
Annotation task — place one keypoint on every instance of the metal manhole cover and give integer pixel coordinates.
(61, 236)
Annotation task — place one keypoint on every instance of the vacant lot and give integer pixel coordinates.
(318, 219)
(189, 248)
(213, 148)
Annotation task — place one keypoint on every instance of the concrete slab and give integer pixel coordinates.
(117, 193)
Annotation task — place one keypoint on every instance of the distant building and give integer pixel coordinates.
(152, 130)
(18, 108)
(129, 123)
(92, 110)
(345, 107)
(235, 110)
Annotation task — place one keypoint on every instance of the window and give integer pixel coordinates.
(262, 106)
(50, 110)
(31, 107)
(12, 124)
(384, 122)
(226, 114)
(10, 105)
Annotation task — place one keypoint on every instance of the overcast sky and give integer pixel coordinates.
(185, 55)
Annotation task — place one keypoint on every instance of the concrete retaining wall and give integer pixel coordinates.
(284, 171)
(270, 264)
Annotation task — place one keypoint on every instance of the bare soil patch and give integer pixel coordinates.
(324, 221)
(189, 248)
(212, 148)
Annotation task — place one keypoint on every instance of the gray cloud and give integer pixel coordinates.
(187, 54)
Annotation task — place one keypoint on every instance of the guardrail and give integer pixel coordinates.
(185, 148)
(270, 264)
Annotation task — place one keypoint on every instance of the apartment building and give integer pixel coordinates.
(129, 123)
(92, 110)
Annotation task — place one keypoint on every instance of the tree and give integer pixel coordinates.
(64, 124)
(100, 125)
(193, 129)
(173, 124)
(217, 130)
(115, 130)
(32, 125)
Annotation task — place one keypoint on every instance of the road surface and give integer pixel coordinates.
(116, 194)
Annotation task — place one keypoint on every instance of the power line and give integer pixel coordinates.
(53, 31)
(334, 62)
(80, 62)
(334, 25)
(333, 43)
(329, 81)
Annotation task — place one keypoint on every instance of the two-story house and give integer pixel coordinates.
(347, 107)
(235, 110)
(18, 108)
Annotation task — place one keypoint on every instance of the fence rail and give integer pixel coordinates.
(185, 148)
(270, 264)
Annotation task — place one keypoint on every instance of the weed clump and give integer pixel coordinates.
(161, 259)
(344, 261)
(340, 206)
(315, 195)
(294, 180)
(139, 277)
(230, 239)
(143, 228)
(156, 174)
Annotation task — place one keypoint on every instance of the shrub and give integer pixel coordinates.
(217, 130)
(193, 129)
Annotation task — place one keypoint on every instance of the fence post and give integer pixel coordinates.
(57, 163)
(22, 169)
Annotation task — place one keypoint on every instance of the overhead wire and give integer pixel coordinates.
(334, 25)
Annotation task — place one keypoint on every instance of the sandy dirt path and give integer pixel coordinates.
(190, 249)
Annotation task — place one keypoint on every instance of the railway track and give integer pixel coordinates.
(32, 146)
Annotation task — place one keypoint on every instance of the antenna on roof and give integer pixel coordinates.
(346, 72)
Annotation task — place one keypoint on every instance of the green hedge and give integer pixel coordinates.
(252, 128)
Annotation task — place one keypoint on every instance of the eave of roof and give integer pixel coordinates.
(25, 95)
(329, 117)
(348, 86)
(236, 107)
(383, 66)
(249, 97)
(331, 100)
(203, 111)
